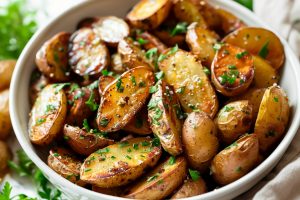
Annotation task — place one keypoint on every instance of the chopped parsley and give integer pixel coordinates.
(145, 143)
(228, 108)
(135, 146)
(101, 151)
(104, 122)
(155, 142)
(153, 89)
(206, 71)
(74, 86)
(173, 50)
(172, 160)
(142, 84)
(142, 41)
(152, 178)
(275, 99)
(79, 95)
(179, 113)
(180, 90)
(195, 175)
(232, 145)
(264, 51)
(87, 170)
(91, 102)
(124, 144)
(218, 46)
(120, 88)
(241, 54)
(132, 78)
(50, 108)
(151, 53)
(86, 125)
(105, 72)
(128, 157)
(159, 75)
(180, 28)
(40, 121)
(60, 86)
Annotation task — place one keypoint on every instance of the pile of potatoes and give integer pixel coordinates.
(6, 70)
(176, 100)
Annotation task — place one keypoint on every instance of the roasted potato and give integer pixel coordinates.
(190, 188)
(120, 164)
(111, 29)
(235, 160)
(272, 118)
(104, 81)
(118, 191)
(259, 41)
(6, 70)
(87, 22)
(199, 138)
(88, 55)
(5, 156)
(190, 82)
(169, 40)
(186, 11)
(139, 124)
(149, 14)
(47, 115)
(229, 22)
(233, 120)
(52, 58)
(232, 70)
(201, 42)
(161, 181)
(85, 142)
(37, 83)
(123, 98)
(65, 163)
(117, 64)
(265, 74)
(149, 41)
(165, 124)
(5, 123)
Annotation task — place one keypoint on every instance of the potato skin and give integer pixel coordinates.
(123, 98)
(148, 14)
(190, 188)
(229, 22)
(160, 182)
(52, 58)
(6, 70)
(233, 120)
(152, 42)
(84, 142)
(104, 81)
(166, 125)
(37, 83)
(235, 160)
(5, 122)
(272, 118)
(5, 156)
(117, 64)
(47, 115)
(88, 55)
(254, 39)
(64, 162)
(193, 88)
(199, 138)
(117, 191)
(115, 166)
(169, 40)
(232, 70)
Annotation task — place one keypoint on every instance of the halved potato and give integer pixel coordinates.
(111, 29)
(259, 41)
(6, 70)
(272, 118)
(235, 160)
(265, 74)
(104, 81)
(5, 122)
(5, 156)
(201, 42)
(84, 142)
(47, 115)
(132, 55)
(88, 55)
(169, 40)
(233, 120)
(229, 22)
(87, 22)
(149, 14)
(149, 41)
(123, 98)
(37, 83)
(117, 191)
(186, 11)
(65, 163)
(117, 64)
(163, 119)
(200, 142)
(120, 164)
(190, 188)
(139, 124)
(161, 181)
(52, 58)
(232, 70)
(193, 88)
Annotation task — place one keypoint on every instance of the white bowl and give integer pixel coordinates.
(19, 104)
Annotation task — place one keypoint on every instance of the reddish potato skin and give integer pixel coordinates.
(87, 22)
(104, 81)
(152, 42)
(190, 188)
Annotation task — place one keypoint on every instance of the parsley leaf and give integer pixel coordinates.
(264, 51)
(181, 27)
(195, 175)
(151, 53)
(247, 3)
(91, 102)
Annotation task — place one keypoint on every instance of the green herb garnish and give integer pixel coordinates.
(91, 102)
(180, 28)
(104, 121)
(264, 51)
(195, 175)
(172, 160)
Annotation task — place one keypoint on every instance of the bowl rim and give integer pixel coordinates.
(256, 173)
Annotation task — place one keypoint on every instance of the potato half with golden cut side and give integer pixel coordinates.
(190, 188)
(259, 41)
(265, 74)
(160, 182)
(186, 11)
(233, 120)
(65, 163)
(201, 42)
(272, 118)
(117, 64)
(120, 164)
(235, 160)
(52, 58)
(104, 81)
(88, 55)
(5, 122)
(132, 55)
(48, 114)
(139, 124)
(169, 40)
(193, 88)
(165, 124)
(229, 22)
(149, 14)
(199, 138)
(111, 29)
(149, 41)
(123, 98)
(84, 142)
(6, 70)
(232, 70)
